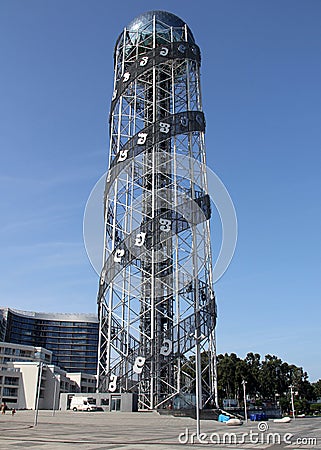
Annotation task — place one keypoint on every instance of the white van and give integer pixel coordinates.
(83, 404)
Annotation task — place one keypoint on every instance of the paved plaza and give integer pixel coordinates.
(101, 430)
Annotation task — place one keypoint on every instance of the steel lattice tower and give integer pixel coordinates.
(156, 301)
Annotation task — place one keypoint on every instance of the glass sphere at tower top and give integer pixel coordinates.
(142, 26)
(161, 16)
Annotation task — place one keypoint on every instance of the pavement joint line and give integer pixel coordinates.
(27, 427)
(65, 441)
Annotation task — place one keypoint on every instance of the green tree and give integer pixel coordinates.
(316, 389)
(269, 378)
(253, 363)
(226, 375)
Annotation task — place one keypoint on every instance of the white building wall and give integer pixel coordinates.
(28, 387)
(85, 383)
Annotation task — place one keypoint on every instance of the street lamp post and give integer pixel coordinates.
(198, 382)
(55, 394)
(244, 396)
(292, 401)
(40, 367)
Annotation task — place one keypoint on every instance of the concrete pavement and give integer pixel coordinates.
(130, 431)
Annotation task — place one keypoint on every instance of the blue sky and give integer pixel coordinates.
(261, 72)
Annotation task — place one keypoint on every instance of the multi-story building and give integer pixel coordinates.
(72, 338)
(23, 368)
(84, 382)
(16, 352)
(52, 382)
(11, 377)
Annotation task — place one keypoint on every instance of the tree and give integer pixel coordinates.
(316, 389)
(253, 363)
(226, 375)
(267, 379)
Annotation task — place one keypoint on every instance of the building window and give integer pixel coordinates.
(9, 400)
(10, 392)
(11, 381)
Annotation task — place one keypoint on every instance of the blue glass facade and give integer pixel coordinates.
(73, 338)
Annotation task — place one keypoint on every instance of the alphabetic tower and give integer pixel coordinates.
(156, 301)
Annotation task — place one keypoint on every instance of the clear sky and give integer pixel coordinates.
(261, 86)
